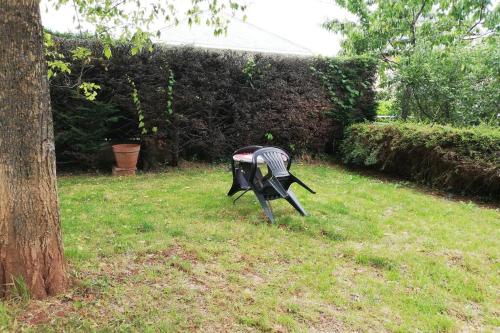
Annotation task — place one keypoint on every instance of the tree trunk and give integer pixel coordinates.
(30, 237)
(405, 103)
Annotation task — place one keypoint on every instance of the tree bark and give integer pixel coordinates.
(30, 237)
(405, 103)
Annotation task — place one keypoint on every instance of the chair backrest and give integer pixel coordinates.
(275, 159)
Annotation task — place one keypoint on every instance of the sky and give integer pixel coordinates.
(287, 26)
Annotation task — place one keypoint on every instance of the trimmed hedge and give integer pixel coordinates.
(222, 100)
(465, 161)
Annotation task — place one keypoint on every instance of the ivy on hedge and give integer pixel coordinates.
(219, 100)
(460, 160)
(344, 81)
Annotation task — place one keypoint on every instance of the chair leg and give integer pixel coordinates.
(292, 199)
(239, 196)
(265, 205)
(234, 188)
(298, 181)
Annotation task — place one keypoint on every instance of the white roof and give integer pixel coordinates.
(275, 26)
(241, 36)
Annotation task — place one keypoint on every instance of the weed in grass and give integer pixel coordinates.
(375, 261)
(333, 235)
(20, 290)
(180, 264)
(175, 231)
(146, 227)
(4, 318)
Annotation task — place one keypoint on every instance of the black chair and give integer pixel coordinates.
(274, 185)
(240, 173)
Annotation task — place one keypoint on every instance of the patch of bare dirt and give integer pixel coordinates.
(43, 312)
(111, 271)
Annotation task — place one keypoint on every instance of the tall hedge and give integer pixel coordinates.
(461, 160)
(222, 100)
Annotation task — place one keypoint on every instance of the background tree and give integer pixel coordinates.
(420, 41)
(30, 235)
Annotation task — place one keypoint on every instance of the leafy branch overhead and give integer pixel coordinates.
(439, 58)
(390, 28)
(117, 21)
(132, 20)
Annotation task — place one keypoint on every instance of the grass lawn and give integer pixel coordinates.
(169, 252)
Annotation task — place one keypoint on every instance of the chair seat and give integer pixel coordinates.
(247, 158)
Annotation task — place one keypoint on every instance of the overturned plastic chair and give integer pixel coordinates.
(274, 185)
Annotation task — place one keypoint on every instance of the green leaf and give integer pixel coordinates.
(107, 52)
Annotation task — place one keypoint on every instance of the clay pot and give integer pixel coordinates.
(126, 155)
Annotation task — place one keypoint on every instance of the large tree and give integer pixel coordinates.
(415, 38)
(30, 237)
(31, 252)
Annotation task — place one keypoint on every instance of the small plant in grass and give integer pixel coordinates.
(4, 318)
(375, 261)
(146, 227)
(20, 290)
(181, 264)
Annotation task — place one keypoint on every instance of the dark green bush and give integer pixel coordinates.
(81, 131)
(465, 161)
(222, 100)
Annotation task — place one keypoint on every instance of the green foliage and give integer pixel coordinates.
(134, 94)
(202, 106)
(20, 290)
(4, 318)
(58, 64)
(82, 130)
(81, 53)
(89, 90)
(55, 60)
(129, 21)
(136, 100)
(344, 80)
(439, 58)
(385, 107)
(116, 22)
(170, 93)
(453, 159)
(374, 261)
(458, 85)
(249, 70)
(390, 29)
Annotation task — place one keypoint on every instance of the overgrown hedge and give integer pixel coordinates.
(465, 161)
(221, 100)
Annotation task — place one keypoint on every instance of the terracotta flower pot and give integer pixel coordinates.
(126, 155)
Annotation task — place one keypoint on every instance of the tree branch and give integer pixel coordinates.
(479, 21)
(414, 23)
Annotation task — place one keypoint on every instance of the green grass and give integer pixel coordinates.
(169, 252)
